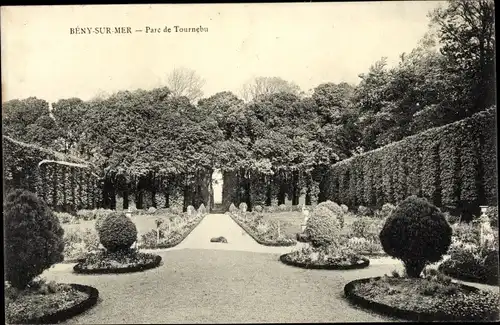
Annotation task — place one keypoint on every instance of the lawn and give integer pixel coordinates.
(218, 286)
(144, 223)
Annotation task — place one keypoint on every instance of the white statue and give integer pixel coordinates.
(305, 213)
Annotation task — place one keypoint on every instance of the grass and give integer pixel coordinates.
(219, 286)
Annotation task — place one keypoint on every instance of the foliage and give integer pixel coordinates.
(117, 232)
(416, 233)
(33, 237)
(445, 153)
(202, 210)
(322, 227)
(79, 242)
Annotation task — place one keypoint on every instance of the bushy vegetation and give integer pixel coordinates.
(417, 233)
(117, 232)
(33, 237)
(322, 227)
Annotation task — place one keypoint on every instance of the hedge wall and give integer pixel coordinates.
(454, 166)
(66, 183)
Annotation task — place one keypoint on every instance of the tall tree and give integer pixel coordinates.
(185, 82)
(262, 86)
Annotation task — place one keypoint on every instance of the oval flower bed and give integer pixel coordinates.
(311, 258)
(259, 238)
(423, 299)
(48, 303)
(117, 262)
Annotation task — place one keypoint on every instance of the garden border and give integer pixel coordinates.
(366, 263)
(67, 313)
(130, 269)
(258, 240)
(465, 277)
(397, 312)
(170, 245)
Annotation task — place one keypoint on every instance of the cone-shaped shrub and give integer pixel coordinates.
(117, 232)
(33, 237)
(202, 210)
(417, 233)
(232, 208)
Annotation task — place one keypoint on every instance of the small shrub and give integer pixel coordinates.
(492, 213)
(151, 210)
(272, 209)
(33, 237)
(258, 208)
(364, 211)
(282, 208)
(335, 209)
(385, 211)
(78, 243)
(345, 208)
(65, 217)
(243, 207)
(190, 210)
(232, 208)
(117, 232)
(416, 233)
(202, 209)
(322, 227)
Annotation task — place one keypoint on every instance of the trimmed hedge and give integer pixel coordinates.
(453, 166)
(285, 258)
(65, 183)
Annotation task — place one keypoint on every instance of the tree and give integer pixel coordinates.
(69, 115)
(267, 85)
(185, 82)
(467, 33)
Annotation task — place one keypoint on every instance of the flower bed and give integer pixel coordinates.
(117, 262)
(169, 239)
(251, 228)
(420, 299)
(469, 259)
(325, 259)
(49, 304)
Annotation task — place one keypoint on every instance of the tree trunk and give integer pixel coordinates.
(167, 199)
(269, 194)
(414, 268)
(296, 192)
(125, 199)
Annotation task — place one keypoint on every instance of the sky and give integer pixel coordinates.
(307, 43)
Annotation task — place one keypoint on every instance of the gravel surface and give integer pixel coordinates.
(217, 286)
(237, 282)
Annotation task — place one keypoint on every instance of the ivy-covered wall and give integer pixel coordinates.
(66, 183)
(454, 166)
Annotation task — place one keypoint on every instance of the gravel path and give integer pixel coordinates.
(238, 282)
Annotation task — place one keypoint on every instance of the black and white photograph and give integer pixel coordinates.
(305, 162)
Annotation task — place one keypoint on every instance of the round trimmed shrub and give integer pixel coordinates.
(364, 211)
(117, 232)
(336, 209)
(151, 210)
(243, 207)
(33, 238)
(282, 208)
(344, 208)
(258, 208)
(322, 227)
(190, 210)
(417, 233)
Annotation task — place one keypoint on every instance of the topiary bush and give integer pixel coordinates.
(417, 233)
(33, 237)
(385, 211)
(190, 210)
(117, 232)
(282, 208)
(364, 211)
(258, 208)
(151, 210)
(336, 209)
(243, 207)
(322, 227)
(202, 210)
(232, 208)
(344, 208)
